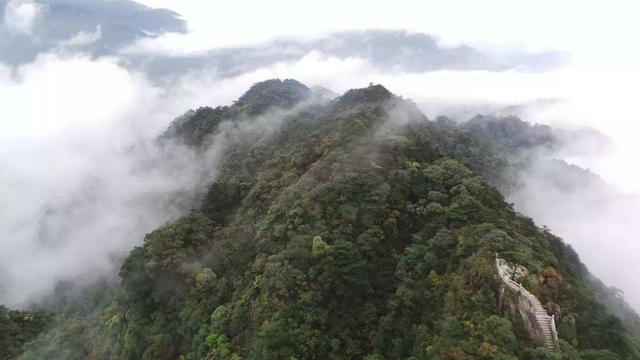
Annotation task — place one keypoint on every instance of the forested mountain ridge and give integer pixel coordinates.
(352, 228)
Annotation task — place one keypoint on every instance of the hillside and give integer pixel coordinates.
(352, 228)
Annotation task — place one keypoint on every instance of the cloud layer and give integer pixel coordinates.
(20, 16)
(81, 181)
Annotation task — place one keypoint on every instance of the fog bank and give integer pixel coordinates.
(81, 182)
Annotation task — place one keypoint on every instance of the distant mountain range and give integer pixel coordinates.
(99, 27)
(105, 27)
(388, 51)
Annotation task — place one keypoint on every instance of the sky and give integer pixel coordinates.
(598, 85)
(67, 108)
(601, 39)
(571, 25)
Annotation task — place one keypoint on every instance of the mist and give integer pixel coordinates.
(82, 179)
(599, 221)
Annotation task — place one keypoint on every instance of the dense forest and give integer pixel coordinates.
(346, 228)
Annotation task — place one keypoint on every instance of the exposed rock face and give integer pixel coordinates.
(526, 306)
(518, 306)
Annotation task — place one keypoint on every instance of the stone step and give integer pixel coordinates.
(541, 315)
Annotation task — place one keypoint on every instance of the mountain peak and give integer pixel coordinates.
(371, 93)
(353, 228)
(273, 93)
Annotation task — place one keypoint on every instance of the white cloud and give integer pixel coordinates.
(83, 38)
(598, 85)
(88, 110)
(600, 223)
(80, 181)
(64, 122)
(494, 24)
(20, 15)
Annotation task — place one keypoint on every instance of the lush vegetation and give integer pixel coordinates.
(19, 327)
(357, 229)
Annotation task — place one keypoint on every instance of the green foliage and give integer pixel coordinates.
(344, 236)
(20, 327)
(598, 355)
(543, 354)
(319, 247)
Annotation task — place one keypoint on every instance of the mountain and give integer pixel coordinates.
(388, 51)
(344, 228)
(29, 28)
(97, 27)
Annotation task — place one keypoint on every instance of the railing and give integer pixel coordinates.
(535, 303)
(553, 330)
(508, 281)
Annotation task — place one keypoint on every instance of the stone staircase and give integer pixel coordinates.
(547, 323)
